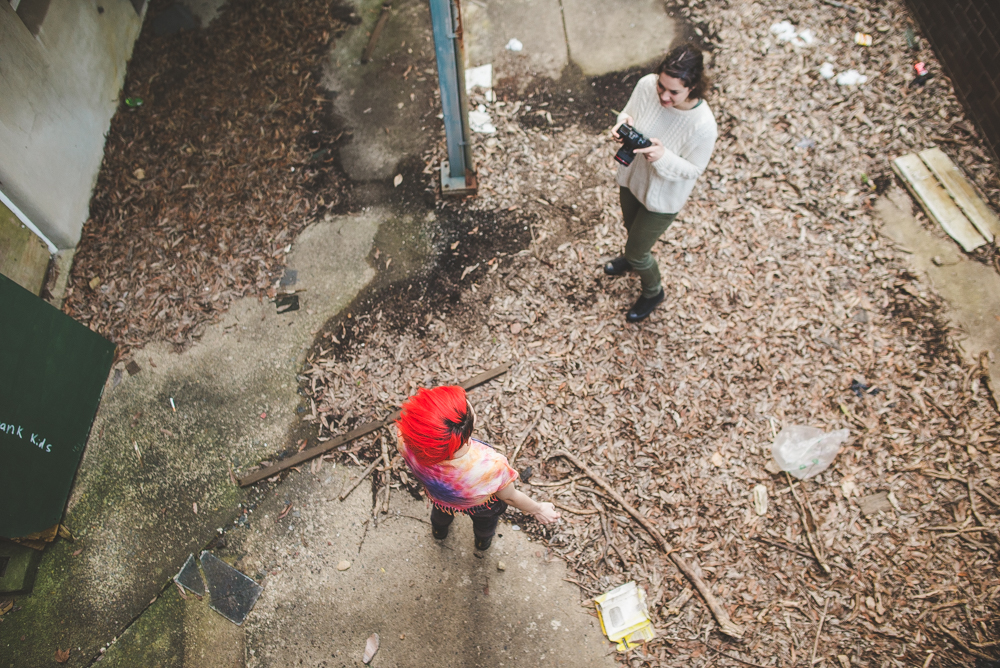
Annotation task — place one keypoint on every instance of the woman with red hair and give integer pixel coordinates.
(460, 473)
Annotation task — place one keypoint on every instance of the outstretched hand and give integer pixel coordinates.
(546, 513)
(654, 152)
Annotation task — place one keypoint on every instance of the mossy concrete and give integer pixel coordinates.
(154, 484)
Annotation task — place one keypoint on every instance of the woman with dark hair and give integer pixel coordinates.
(668, 108)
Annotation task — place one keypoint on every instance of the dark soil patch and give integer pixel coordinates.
(461, 238)
(922, 318)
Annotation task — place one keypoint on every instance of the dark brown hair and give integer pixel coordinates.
(687, 64)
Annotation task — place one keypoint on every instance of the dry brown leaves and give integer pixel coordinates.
(784, 306)
(204, 186)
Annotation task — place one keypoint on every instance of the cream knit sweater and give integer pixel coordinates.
(688, 137)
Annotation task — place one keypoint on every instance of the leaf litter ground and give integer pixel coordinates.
(784, 306)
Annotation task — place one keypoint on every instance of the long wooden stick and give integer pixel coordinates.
(726, 625)
(383, 18)
(322, 448)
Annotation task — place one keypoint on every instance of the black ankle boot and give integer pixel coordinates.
(439, 532)
(617, 267)
(483, 544)
(643, 307)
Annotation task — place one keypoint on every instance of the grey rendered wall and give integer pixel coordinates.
(58, 92)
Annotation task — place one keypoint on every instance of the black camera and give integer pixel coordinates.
(631, 140)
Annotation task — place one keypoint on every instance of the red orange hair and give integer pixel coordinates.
(435, 423)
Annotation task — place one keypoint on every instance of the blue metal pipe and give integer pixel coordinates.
(445, 22)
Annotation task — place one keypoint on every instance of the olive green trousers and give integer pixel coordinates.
(644, 227)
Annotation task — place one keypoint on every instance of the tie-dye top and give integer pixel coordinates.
(466, 482)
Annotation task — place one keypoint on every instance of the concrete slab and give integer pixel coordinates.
(537, 24)
(433, 604)
(971, 289)
(595, 37)
(236, 398)
(382, 102)
(606, 37)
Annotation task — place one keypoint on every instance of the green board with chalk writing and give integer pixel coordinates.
(52, 373)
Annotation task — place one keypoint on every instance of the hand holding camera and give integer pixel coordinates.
(633, 142)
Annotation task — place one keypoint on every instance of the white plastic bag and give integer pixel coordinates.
(806, 451)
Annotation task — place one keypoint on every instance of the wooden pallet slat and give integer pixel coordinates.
(363, 430)
(964, 192)
(937, 202)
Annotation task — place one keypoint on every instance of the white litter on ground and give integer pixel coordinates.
(480, 77)
(786, 32)
(851, 78)
(480, 121)
(514, 44)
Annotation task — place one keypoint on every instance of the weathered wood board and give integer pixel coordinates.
(24, 258)
(964, 192)
(937, 202)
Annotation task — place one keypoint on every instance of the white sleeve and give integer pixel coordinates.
(636, 101)
(696, 155)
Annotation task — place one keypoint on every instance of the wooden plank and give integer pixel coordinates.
(964, 192)
(936, 201)
(354, 434)
(24, 258)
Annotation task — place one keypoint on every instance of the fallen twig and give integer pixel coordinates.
(961, 643)
(819, 629)
(387, 478)
(371, 467)
(726, 625)
(527, 432)
(941, 606)
(576, 511)
(809, 523)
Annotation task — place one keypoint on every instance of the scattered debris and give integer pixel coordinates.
(343, 565)
(786, 32)
(851, 78)
(624, 617)
(480, 121)
(231, 593)
(806, 451)
(760, 500)
(501, 566)
(514, 44)
(371, 647)
(875, 503)
(190, 578)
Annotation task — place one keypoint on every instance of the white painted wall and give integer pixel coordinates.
(58, 92)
